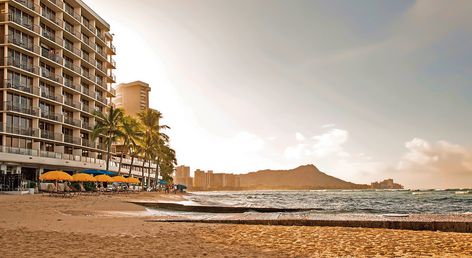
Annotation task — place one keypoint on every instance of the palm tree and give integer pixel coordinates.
(166, 161)
(150, 119)
(108, 125)
(130, 134)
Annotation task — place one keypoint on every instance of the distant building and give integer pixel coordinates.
(182, 176)
(386, 184)
(133, 97)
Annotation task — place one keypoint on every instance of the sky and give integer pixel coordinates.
(365, 90)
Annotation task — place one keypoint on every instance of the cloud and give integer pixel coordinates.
(299, 136)
(326, 144)
(439, 164)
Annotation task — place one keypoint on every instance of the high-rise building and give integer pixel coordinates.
(182, 176)
(133, 97)
(56, 70)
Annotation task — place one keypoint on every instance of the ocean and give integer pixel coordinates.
(439, 201)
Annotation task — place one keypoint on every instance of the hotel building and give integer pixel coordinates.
(56, 69)
(133, 97)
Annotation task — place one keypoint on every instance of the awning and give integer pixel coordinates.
(99, 172)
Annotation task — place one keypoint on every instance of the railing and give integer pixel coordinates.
(87, 125)
(19, 130)
(51, 55)
(24, 22)
(21, 151)
(16, 107)
(71, 139)
(101, 52)
(51, 96)
(51, 18)
(89, 26)
(71, 48)
(71, 30)
(85, 108)
(22, 65)
(70, 84)
(18, 41)
(72, 13)
(71, 66)
(18, 86)
(88, 143)
(88, 75)
(51, 36)
(51, 116)
(51, 76)
(50, 154)
(111, 77)
(58, 3)
(29, 4)
(51, 135)
(71, 103)
(101, 36)
(104, 100)
(69, 120)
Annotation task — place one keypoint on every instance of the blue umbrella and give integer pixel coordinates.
(99, 172)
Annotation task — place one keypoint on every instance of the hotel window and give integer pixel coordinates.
(68, 80)
(47, 89)
(21, 60)
(20, 79)
(46, 108)
(47, 147)
(48, 32)
(67, 131)
(18, 122)
(21, 38)
(46, 127)
(68, 26)
(21, 17)
(68, 44)
(85, 55)
(68, 150)
(15, 142)
(18, 100)
(48, 12)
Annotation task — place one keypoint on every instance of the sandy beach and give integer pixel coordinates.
(83, 226)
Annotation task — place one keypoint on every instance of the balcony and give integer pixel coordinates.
(88, 75)
(50, 135)
(87, 125)
(58, 3)
(17, 107)
(22, 131)
(24, 22)
(88, 143)
(71, 103)
(101, 52)
(18, 41)
(20, 151)
(21, 87)
(51, 116)
(71, 139)
(102, 100)
(85, 108)
(71, 66)
(89, 26)
(111, 78)
(51, 96)
(69, 120)
(70, 84)
(71, 49)
(51, 17)
(71, 30)
(72, 13)
(101, 36)
(50, 154)
(51, 55)
(22, 65)
(102, 146)
(51, 36)
(29, 4)
(50, 75)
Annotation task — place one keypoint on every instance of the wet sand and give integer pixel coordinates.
(83, 226)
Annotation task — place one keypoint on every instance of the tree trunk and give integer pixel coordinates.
(149, 174)
(157, 172)
(131, 165)
(142, 174)
(121, 161)
(108, 153)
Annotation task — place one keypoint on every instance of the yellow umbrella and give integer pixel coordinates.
(55, 176)
(133, 180)
(103, 178)
(119, 179)
(82, 177)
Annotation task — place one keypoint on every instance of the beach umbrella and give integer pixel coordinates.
(132, 180)
(103, 178)
(55, 176)
(119, 179)
(81, 177)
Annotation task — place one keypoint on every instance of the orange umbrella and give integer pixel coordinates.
(119, 179)
(82, 177)
(55, 176)
(103, 178)
(133, 180)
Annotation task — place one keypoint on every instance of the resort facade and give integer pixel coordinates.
(56, 70)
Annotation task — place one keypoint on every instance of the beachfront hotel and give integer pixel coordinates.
(133, 97)
(57, 69)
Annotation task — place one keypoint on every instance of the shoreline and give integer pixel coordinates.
(107, 225)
